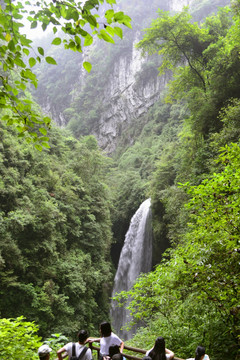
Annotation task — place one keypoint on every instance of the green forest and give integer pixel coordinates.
(65, 205)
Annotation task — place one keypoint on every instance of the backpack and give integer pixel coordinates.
(83, 352)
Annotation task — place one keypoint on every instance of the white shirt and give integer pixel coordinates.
(106, 342)
(78, 350)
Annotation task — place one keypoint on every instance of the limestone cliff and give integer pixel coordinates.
(131, 84)
(124, 99)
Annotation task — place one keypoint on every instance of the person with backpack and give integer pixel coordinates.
(76, 351)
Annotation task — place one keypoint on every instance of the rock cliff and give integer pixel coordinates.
(124, 99)
(130, 88)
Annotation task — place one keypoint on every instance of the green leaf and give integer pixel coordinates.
(33, 25)
(44, 138)
(128, 24)
(38, 147)
(43, 131)
(11, 45)
(118, 31)
(110, 30)
(47, 120)
(41, 51)
(118, 16)
(46, 145)
(50, 60)
(109, 14)
(88, 40)
(26, 51)
(91, 20)
(103, 35)
(19, 62)
(57, 41)
(8, 37)
(87, 66)
(32, 62)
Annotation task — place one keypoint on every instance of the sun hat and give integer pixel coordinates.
(44, 350)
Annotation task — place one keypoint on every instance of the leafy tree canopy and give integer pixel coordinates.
(195, 289)
(18, 339)
(55, 232)
(78, 20)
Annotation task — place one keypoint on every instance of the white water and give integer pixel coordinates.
(135, 258)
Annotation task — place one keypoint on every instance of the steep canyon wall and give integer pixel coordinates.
(131, 88)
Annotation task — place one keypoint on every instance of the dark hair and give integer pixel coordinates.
(45, 357)
(113, 349)
(105, 329)
(118, 356)
(200, 351)
(82, 336)
(158, 351)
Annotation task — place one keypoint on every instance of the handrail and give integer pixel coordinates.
(127, 356)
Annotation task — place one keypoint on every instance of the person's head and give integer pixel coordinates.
(199, 353)
(159, 345)
(82, 336)
(113, 349)
(44, 352)
(105, 329)
(118, 356)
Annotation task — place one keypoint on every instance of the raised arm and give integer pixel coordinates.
(59, 353)
(169, 352)
(121, 347)
(91, 340)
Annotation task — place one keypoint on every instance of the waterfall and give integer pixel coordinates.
(135, 258)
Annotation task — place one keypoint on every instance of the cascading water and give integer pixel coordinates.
(135, 258)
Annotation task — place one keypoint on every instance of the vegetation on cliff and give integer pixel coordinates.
(55, 233)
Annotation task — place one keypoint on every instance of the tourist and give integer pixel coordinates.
(113, 350)
(107, 339)
(44, 352)
(159, 352)
(75, 349)
(200, 354)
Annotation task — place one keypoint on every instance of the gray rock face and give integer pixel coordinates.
(127, 95)
(125, 99)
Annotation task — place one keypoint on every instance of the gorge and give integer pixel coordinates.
(69, 208)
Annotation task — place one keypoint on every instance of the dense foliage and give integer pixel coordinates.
(55, 233)
(18, 339)
(192, 296)
(55, 219)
